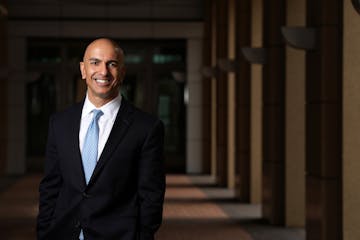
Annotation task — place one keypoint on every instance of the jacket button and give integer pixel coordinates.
(86, 195)
(77, 224)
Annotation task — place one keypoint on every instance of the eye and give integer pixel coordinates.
(94, 62)
(113, 64)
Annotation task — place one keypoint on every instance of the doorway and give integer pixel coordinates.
(154, 82)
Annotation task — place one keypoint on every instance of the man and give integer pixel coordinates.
(104, 175)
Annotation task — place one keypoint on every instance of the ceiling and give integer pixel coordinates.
(106, 9)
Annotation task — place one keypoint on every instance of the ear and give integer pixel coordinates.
(82, 70)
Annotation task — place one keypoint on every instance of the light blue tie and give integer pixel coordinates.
(90, 147)
(90, 150)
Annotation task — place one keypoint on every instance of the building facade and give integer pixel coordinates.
(263, 95)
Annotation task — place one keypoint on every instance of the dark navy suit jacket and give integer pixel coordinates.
(124, 197)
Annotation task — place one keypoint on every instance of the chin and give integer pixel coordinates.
(107, 95)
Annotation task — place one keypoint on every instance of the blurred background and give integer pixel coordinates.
(260, 100)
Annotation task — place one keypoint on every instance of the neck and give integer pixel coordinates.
(99, 101)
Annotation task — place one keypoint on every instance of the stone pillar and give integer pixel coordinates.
(295, 123)
(222, 92)
(256, 105)
(4, 86)
(324, 122)
(243, 23)
(194, 107)
(206, 89)
(351, 123)
(16, 144)
(231, 92)
(273, 112)
(214, 167)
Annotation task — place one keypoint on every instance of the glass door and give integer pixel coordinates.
(153, 84)
(171, 110)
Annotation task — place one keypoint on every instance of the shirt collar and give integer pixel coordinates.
(110, 109)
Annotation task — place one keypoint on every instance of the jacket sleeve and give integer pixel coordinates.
(151, 182)
(49, 185)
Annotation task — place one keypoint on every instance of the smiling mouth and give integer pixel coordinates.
(102, 80)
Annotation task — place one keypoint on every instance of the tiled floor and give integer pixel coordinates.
(194, 209)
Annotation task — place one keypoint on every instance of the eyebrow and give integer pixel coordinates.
(99, 60)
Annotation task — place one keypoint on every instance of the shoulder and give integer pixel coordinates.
(138, 113)
(141, 118)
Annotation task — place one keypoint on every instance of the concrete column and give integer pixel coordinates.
(209, 90)
(16, 116)
(256, 106)
(194, 108)
(231, 128)
(3, 89)
(206, 89)
(243, 95)
(222, 93)
(324, 122)
(214, 167)
(295, 123)
(351, 123)
(274, 112)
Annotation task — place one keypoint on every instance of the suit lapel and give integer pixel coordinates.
(118, 131)
(74, 145)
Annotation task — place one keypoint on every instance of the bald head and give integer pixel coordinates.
(107, 43)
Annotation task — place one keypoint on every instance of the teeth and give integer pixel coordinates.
(101, 80)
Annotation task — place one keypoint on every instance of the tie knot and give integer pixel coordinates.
(97, 113)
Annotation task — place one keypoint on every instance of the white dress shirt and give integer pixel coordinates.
(106, 121)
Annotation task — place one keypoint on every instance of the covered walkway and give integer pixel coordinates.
(194, 209)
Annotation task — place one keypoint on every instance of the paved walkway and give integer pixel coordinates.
(193, 213)
(18, 209)
(194, 209)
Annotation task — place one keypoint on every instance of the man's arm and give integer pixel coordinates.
(151, 182)
(49, 186)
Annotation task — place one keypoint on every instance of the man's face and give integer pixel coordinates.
(103, 70)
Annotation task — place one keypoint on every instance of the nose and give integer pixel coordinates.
(104, 69)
